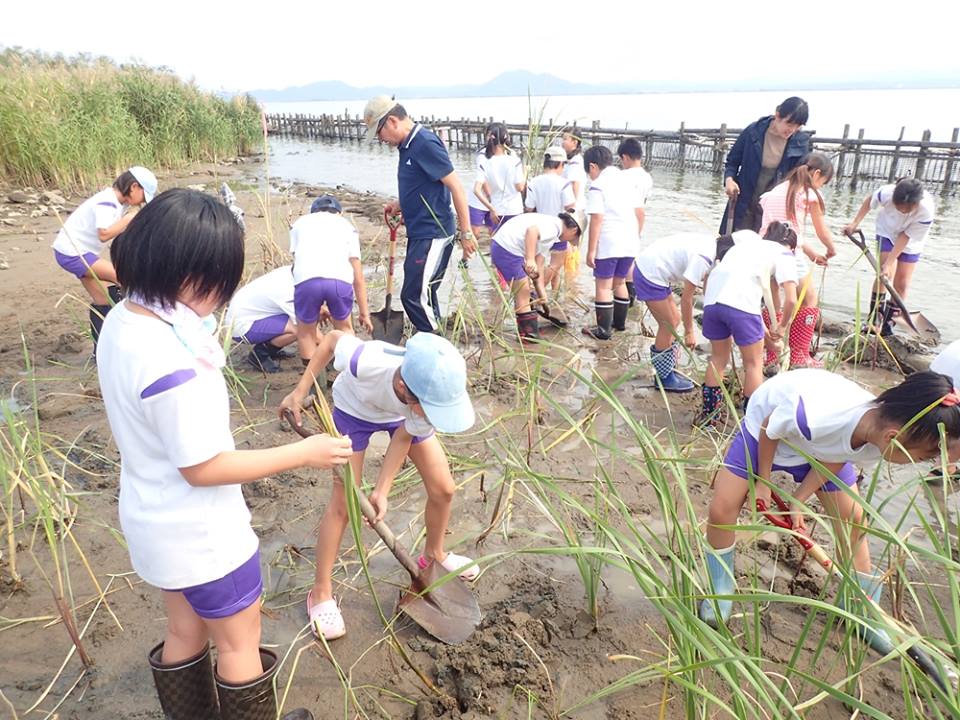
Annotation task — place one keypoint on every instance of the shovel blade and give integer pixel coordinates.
(925, 330)
(449, 612)
(387, 324)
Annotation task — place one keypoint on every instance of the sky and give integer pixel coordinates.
(237, 46)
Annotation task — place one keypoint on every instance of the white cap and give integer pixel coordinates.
(147, 180)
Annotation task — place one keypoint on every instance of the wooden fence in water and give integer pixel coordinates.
(856, 159)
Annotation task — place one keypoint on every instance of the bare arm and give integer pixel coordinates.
(397, 451)
(641, 218)
(596, 220)
(766, 451)
(110, 232)
(861, 214)
(360, 290)
(686, 313)
(823, 232)
(318, 361)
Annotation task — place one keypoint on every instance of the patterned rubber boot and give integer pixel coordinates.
(709, 415)
(604, 327)
(620, 308)
(186, 689)
(664, 362)
(801, 334)
(256, 699)
(528, 326)
(720, 564)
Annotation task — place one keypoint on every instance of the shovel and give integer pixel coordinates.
(387, 323)
(923, 328)
(445, 608)
(780, 519)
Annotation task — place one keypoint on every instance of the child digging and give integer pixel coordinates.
(183, 516)
(407, 392)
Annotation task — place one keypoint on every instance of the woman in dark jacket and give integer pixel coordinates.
(766, 151)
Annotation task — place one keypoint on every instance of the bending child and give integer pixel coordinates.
(261, 313)
(96, 221)
(183, 516)
(804, 416)
(407, 392)
(550, 193)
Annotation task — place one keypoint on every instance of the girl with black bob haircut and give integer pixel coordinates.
(816, 426)
(182, 512)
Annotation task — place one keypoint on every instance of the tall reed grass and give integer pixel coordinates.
(73, 123)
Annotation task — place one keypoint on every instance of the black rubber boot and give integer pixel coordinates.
(98, 314)
(604, 326)
(261, 359)
(115, 293)
(631, 292)
(620, 308)
(256, 699)
(528, 326)
(186, 689)
(273, 351)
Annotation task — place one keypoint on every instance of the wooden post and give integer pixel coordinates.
(719, 148)
(922, 156)
(842, 160)
(595, 137)
(681, 149)
(951, 159)
(648, 151)
(856, 161)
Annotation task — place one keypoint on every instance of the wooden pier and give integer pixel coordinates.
(856, 159)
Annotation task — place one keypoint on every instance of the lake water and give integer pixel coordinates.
(691, 201)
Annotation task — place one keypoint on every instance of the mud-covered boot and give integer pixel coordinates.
(260, 358)
(528, 326)
(255, 699)
(620, 308)
(186, 689)
(720, 564)
(664, 362)
(603, 330)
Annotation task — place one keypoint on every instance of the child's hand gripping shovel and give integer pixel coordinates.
(920, 325)
(441, 605)
(387, 323)
(781, 518)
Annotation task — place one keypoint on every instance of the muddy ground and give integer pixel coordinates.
(537, 653)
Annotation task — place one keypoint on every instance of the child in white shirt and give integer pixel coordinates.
(630, 153)
(326, 272)
(96, 221)
(550, 193)
(408, 392)
(501, 178)
(615, 206)
(905, 212)
(261, 313)
(183, 516)
(803, 417)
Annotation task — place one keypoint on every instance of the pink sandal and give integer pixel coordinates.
(326, 620)
(453, 562)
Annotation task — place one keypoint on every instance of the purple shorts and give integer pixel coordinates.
(721, 321)
(886, 245)
(360, 431)
(612, 267)
(235, 591)
(647, 290)
(481, 218)
(310, 295)
(561, 246)
(745, 448)
(78, 265)
(264, 329)
(509, 265)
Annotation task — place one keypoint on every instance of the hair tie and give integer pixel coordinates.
(950, 399)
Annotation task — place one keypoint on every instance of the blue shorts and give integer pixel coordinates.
(235, 591)
(310, 295)
(612, 267)
(647, 290)
(721, 321)
(745, 446)
(77, 265)
(886, 245)
(359, 431)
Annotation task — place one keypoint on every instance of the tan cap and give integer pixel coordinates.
(375, 111)
(556, 153)
(579, 218)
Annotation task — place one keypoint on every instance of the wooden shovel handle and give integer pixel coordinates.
(385, 533)
(393, 223)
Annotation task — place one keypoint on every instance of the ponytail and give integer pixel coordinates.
(801, 177)
(497, 134)
(781, 233)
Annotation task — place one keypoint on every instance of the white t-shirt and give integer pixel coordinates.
(615, 196)
(262, 297)
(948, 362)
(364, 387)
(739, 280)
(643, 180)
(891, 222)
(168, 411)
(503, 173)
(678, 257)
(574, 172)
(79, 233)
(322, 244)
(550, 194)
(480, 164)
(813, 413)
(512, 234)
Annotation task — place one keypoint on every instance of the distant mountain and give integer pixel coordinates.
(522, 82)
